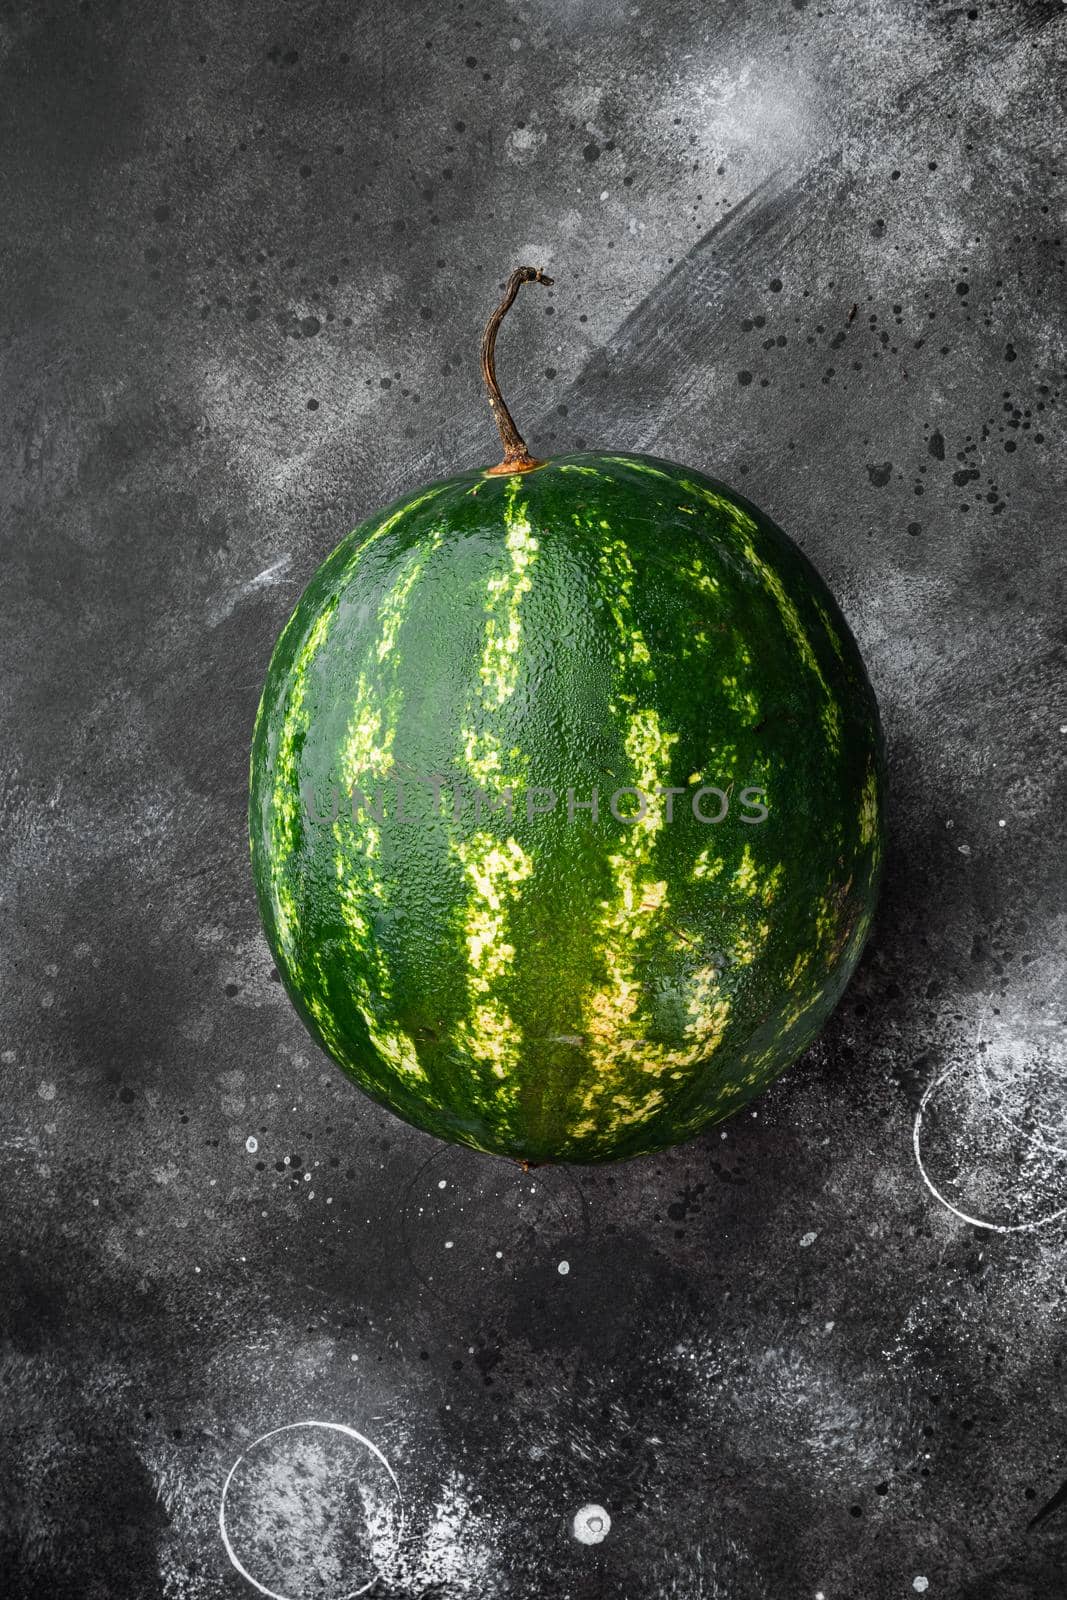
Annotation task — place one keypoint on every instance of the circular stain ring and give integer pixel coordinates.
(974, 1222)
(290, 1427)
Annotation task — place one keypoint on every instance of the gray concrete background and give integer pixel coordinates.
(245, 255)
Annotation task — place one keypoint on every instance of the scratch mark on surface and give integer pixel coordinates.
(262, 580)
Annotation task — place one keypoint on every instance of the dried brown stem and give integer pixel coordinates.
(516, 456)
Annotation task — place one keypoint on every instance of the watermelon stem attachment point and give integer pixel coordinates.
(516, 456)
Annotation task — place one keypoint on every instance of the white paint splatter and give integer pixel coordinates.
(591, 1524)
(458, 1551)
(522, 145)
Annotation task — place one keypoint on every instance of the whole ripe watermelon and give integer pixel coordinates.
(566, 806)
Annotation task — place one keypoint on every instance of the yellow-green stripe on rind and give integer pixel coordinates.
(285, 821)
(366, 758)
(288, 799)
(495, 870)
(500, 655)
(615, 1021)
(744, 527)
(496, 873)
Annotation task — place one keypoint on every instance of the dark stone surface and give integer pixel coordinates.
(245, 257)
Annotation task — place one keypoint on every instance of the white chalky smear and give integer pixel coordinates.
(591, 1525)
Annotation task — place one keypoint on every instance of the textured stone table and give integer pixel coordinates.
(245, 258)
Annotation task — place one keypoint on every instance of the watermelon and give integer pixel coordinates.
(566, 807)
